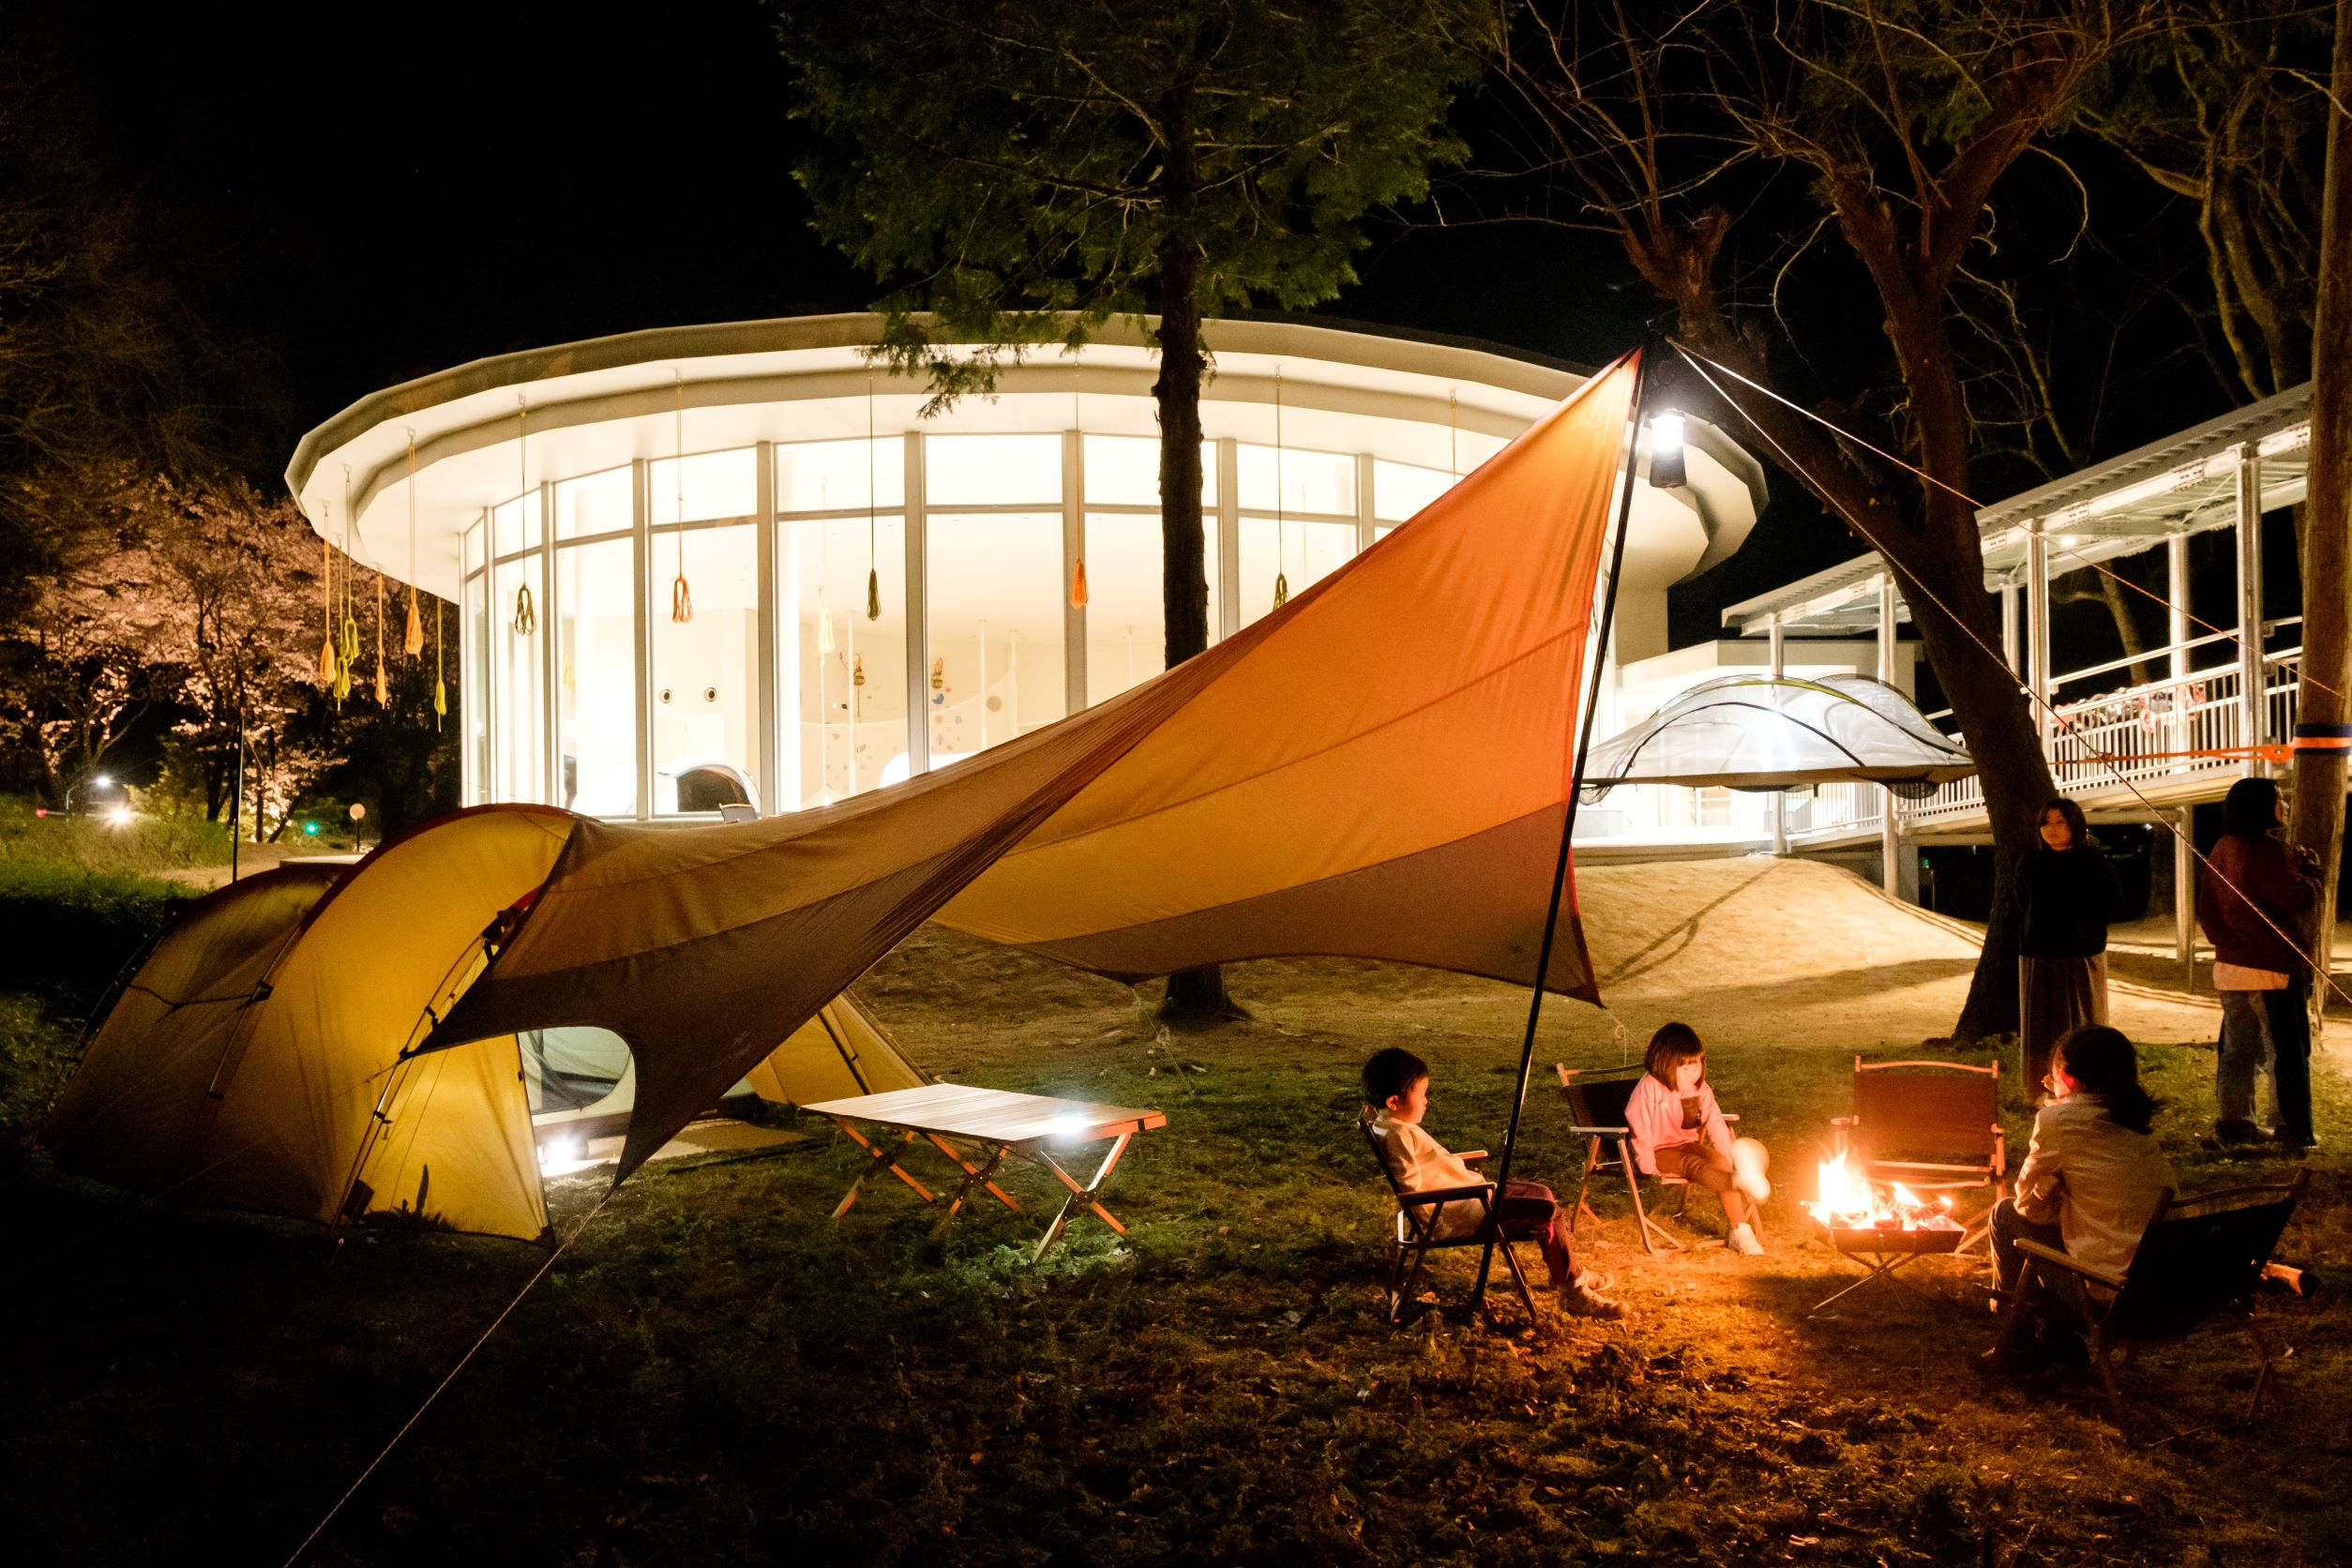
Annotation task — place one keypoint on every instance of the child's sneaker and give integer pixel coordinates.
(1742, 1241)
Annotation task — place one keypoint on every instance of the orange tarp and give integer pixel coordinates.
(1379, 768)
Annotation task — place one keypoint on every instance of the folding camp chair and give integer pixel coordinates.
(1934, 1127)
(2198, 1259)
(1596, 1106)
(1413, 1234)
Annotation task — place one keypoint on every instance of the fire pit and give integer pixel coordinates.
(1881, 1231)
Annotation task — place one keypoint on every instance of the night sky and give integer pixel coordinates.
(378, 192)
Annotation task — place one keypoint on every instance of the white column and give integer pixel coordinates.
(780, 651)
(1073, 552)
(2254, 704)
(1890, 831)
(1776, 644)
(2038, 629)
(641, 518)
(552, 647)
(2184, 863)
(1364, 501)
(918, 618)
(2008, 633)
(1229, 538)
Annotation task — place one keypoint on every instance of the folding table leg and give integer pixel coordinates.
(1089, 1193)
(878, 1157)
(975, 1175)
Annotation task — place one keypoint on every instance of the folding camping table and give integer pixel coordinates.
(1003, 1124)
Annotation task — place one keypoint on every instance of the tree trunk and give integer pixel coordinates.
(1194, 995)
(2325, 543)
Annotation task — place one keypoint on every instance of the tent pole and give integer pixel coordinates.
(1576, 787)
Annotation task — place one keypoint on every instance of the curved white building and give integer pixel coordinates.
(557, 496)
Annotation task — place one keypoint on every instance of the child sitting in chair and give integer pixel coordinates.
(1669, 1112)
(1396, 1098)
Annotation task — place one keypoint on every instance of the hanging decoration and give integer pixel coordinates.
(857, 671)
(413, 640)
(384, 699)
(526, 616)
(938, 682)
(347, 634)
(441, 689)
(1077, 572)
(681, 595)
(1282, 583)
(873, 558)
(327, 588)
(824, 625)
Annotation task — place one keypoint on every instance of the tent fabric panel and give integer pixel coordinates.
(136, 1111)
(348, 996)
(1474, 906)
(836, 1055)
(456, 1152)
(1758, 732)
(1394, 794)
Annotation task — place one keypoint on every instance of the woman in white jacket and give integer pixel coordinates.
(1672, 1107)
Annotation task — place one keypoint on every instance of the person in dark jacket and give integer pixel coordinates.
(2065, 896)
(2253, 902)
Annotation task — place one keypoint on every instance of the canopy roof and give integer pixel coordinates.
(1778, 732)
(1381, 768)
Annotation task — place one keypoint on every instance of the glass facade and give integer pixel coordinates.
(781, 693)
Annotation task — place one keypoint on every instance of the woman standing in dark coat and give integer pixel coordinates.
(2065, 895)
(2257, 893)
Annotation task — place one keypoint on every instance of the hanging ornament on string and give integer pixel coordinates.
(347, 634)
(384, 696)
(413, 640)
(1282, 583)
(681, 594)
(1077, 572)
(441, 689)
(873, 558)
(526, 616)
(327, 588)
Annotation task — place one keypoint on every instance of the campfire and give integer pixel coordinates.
(1849, 1202)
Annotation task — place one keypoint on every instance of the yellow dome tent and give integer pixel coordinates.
(256, 1060)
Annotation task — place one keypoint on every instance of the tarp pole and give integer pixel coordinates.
(1576, 787)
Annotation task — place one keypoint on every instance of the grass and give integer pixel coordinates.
(711, 1372)
(144, 846)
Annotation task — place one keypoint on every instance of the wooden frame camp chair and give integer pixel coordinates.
(1934, 1127)
(2200, 1258)
(1414, 1233)
(1596, 1107)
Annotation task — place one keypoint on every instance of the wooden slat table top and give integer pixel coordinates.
(992, 1115)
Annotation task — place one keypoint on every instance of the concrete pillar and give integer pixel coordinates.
(1777, 644)
(2253, 707)
(1891, 850)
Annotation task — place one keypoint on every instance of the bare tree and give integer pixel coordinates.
(1888, 130)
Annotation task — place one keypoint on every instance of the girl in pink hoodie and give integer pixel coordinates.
(1671, 1109)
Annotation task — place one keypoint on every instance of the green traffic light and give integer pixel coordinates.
(311, 828)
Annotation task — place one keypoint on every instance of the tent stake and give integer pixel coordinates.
(1568, 818)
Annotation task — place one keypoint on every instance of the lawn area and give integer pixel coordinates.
(711, 1372)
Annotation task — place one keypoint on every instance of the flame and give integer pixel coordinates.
(1847, 1201)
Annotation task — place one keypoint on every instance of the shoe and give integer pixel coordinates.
(1596, 1281)
(2293, 1145)
(1749, 1159)
(2237, 1131)
(1578, 1301)
(1742, 1241)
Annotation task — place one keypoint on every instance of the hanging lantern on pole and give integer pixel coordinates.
(681, 594)
(327, 588)
(441, 689)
